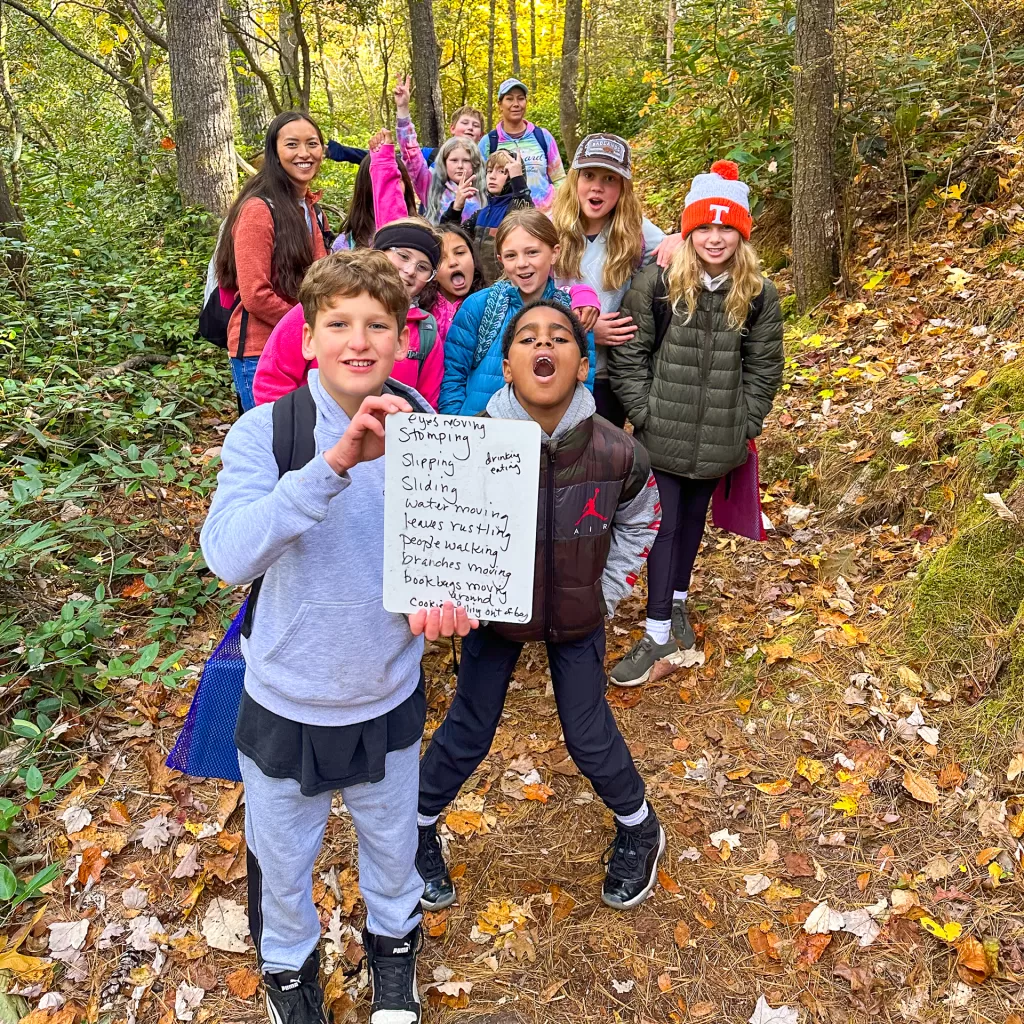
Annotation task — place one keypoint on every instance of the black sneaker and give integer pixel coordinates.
(295, 997)
(391, 965)
(438, 888)
(682, 631)
(632, 861)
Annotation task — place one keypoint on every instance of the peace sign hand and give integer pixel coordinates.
(402, 94)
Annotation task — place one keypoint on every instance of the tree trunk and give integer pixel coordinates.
(568, 108)
(533, 46)
(197, 53)
(426, 74)
(513, 29)
(249, 98)
(670, 36)
(288, 49)
(490, 68)
(815, 237)
(12, 228)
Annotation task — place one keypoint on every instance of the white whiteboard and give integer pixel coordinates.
(460, 514)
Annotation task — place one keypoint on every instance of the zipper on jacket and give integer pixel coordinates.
(549, 541)
(705, 358)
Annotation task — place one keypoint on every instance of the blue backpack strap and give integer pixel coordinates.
(542, 141)
(492, 141)
(294, 417)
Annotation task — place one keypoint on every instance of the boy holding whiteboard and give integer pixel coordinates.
(596, 519)
(334, 696)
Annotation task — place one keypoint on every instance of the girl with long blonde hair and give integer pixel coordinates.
(697, 382)
(605, 239)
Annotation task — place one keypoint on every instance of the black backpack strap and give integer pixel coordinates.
(243, 327)
(492, 141)
(294, 417)
(662, 310)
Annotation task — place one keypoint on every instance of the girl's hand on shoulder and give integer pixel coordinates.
(614, 329)
(464, 191)
(402, 94)
(363, 440)
(382, 138)
(588, 316)
(447, 620)
(667, 249)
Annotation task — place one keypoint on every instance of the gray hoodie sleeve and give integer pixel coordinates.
(254, 515)
(634, 527)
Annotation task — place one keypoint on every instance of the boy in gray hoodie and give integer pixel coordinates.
(334, 694)
(597, 516)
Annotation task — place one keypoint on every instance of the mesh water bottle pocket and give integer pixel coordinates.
(206, 745)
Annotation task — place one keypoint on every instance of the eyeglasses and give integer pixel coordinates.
(412, 264)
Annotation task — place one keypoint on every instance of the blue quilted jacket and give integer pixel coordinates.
(466, 389)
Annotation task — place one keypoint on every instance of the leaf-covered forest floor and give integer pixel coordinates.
(841, 778)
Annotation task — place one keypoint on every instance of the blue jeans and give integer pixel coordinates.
(243, 373)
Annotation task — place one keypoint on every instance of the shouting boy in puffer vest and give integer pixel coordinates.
(597, 517)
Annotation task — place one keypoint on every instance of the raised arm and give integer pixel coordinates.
(386, 181)
(407, 141)
(459, 346)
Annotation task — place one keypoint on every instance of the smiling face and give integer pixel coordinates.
(598, 191)
(459, 164)
(455, 273)
(527, 262)
(715, 245)
(301, 152)
(413, 268)
(497, 177)
(469, 127)
(513, 108)
(544, 364)
(355, 342)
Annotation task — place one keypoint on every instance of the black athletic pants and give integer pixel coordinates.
(607, 403)
(684, 511)
(591, 735)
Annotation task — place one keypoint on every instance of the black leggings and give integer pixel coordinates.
(684, 510)
(607, 403)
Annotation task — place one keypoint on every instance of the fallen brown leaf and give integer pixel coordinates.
(681, 934)
(919, 787)
(798, 865)
(242, 983)
(665, 982)
(667, 882)
(810, 947)
(971, 962)
(549, 991)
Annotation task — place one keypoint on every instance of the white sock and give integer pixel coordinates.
(659, 630)
(679, 595)
(422, 820)
(634, 819)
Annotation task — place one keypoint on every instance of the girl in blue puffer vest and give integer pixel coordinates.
(527, 248)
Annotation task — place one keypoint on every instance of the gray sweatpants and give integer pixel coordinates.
(284, 831)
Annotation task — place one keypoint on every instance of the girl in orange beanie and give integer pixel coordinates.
(697, 382)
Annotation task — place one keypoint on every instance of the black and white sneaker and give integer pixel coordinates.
(632, 861)
(295, 997)
(438, 887)
(391, 965)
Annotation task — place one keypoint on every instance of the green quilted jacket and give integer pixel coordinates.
(696, 401)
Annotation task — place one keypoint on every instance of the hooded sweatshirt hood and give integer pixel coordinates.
(504, 405)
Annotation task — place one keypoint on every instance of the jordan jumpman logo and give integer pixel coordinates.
(590, 509)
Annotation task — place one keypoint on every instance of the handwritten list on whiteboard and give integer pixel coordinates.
(460, 514)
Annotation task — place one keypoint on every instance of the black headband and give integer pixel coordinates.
(410, 236)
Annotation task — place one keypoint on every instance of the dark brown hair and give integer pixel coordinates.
(349, 273)
(360, 222)
(293, 247)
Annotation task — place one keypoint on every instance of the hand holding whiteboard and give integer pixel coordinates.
(460, 514)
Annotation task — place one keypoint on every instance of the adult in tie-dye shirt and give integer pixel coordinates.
(515, 133)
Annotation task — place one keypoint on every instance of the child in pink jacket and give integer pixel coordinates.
(414, 248)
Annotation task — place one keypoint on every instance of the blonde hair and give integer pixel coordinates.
(468, 112)
(349, 273)
(685, 280)
(499, 158)
(625, 234)
(532, 221)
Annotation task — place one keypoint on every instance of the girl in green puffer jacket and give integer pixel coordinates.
(697, 382)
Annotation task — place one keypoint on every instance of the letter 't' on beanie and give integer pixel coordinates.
(718, 197)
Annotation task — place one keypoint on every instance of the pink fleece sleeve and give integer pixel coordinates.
(413, 157)
(583, 295)
(388, 193)
(428, 384)
(282, 366)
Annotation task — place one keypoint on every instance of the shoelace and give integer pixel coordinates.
(432, 857)
(645, 645)
(395, 976)
(623, 852)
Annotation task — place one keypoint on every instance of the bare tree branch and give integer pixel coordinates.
(300, 37)
(253, 63)
(79, 52)
(147, 30)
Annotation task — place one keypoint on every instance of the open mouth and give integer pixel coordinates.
(525, 277)
(458, 279)
(543, 366)
(595, 204)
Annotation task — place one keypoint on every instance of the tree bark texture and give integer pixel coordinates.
(288, 55)
(568, 108)
(533, 46)
(197, 52)
(814, 222)
(426, 73)
(670, 35)
(490, 67)
(12, 228)
(513, 30)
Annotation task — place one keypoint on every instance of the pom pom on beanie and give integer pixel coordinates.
(718, 197)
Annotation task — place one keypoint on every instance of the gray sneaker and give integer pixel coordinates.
(682, 631)
(636, 666)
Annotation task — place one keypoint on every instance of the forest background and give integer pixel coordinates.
(883, 143)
